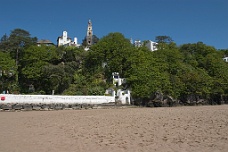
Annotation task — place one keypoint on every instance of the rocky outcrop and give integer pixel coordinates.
(158, 99)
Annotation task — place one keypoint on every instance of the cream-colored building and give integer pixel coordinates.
(152, 46)
(64, 40)
(225, 59)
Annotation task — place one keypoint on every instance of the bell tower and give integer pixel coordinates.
(89, 36)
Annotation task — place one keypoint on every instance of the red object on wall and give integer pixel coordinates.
(3, 98)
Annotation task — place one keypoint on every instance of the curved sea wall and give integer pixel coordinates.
(39, 102)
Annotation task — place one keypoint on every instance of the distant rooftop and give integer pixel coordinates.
(44, 42)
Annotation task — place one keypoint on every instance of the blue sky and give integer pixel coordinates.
(186, 21)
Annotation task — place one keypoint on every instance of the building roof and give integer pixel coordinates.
(44, 42)
(60, 37)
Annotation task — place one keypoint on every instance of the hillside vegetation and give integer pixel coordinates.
(187, 74)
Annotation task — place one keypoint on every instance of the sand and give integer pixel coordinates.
(175, 129)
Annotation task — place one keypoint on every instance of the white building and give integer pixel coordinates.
(116, 79)
(124, 96)
(152, 46)
(137, 43)
(225, 59)
(64, 40)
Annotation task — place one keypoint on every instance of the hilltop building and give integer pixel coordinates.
(137, 43)
(44, 42)
(64, 40)
(89, 40)
(89, 35)
(152, 46)
(225, 59)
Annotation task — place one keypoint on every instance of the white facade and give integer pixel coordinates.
(116, 79)
(138, 43)
(124, 96)
(225, 59)
(64, 40)
(152, 46)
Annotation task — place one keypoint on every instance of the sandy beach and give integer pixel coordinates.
(175, 129)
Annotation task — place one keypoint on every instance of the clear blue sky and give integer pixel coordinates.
(186, 21)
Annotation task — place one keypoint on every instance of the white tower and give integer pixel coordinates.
(64, 37)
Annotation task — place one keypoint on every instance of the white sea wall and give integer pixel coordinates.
(56, 99)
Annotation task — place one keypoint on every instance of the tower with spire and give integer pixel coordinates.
(89, 35)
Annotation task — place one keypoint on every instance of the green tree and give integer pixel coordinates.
(112, 52)
(55, 78)
(18, 40)
(162, 41)
(196, 82)
(60, 76)
(35, 58)
(7, 72)
(213, 68)
(95, 40)
(170, 64)
(142, 76)
(4, 44)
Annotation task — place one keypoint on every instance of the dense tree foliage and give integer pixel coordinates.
(7, 71)
(95, 39)
(190, 72)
